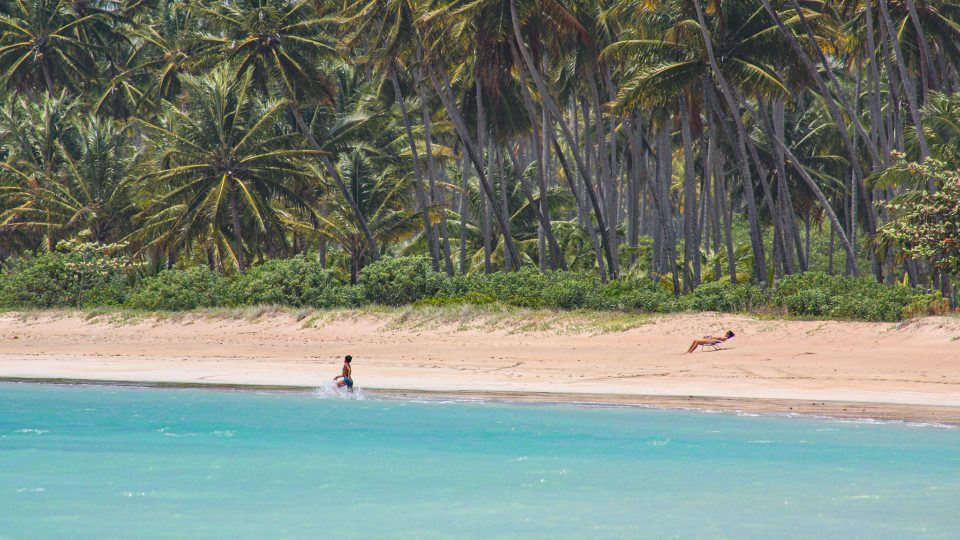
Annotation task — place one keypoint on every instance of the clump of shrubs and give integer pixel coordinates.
(814, 294)
(399, 281)
(180, 290)
(295, 282)
(90, 277)
(728, 297)
(77, 274)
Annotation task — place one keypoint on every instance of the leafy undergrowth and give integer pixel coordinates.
(529, 299)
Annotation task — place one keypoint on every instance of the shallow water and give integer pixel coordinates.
(109, 462)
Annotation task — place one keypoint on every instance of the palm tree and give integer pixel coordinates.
(382, 194)
(167, 41)
(282, 45)
(31, 134)
(43, 46)
(221, 169)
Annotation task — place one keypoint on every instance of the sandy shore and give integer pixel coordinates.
(877, 370)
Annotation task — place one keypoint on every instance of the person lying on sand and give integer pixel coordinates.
(710, 340)
(346, 378)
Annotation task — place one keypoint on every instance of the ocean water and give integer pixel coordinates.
(111, 462)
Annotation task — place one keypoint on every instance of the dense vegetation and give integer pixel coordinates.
(614, 154)
(90, 279)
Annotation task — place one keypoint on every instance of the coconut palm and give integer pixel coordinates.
(382, 194)
(223, 170)
(43, 46)
(282, 45)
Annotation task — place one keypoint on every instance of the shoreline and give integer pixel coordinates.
(834, 410)
(908, 371)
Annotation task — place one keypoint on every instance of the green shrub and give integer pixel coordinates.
(635, 295)
(565, 290)
(295, 282)
(727, 297)
(524, 288)
(809, 302)
(180, 290)
(400, 280)
(840, 297)
(65, 279)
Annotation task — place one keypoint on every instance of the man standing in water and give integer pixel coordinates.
(346, 378)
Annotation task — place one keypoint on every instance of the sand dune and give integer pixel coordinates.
(911, 369)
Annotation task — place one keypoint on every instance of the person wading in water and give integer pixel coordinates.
(346, 378)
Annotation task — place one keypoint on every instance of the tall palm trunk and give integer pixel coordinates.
(540, 151)
(236, 225)
(578, 197)
(783, 190)
(547, 98)
(756, 237)
(925, 55)
(504, 203)
(812, 184)
(418, 185)
(464, 209)
(852, 114)
(828, 97)
(442, 89)
(431, 174)
(335, 174)
(905, 79)
(484, 203)
(661, 203)
(691, 241)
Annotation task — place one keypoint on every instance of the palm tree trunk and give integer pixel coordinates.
(487, 227)
(821, 87)
(504, 203)
(431, 173)
(588, 223)
(237, 232)
(756, 238)
(464, 209)
(852, 113)
(878, 132)
(661, 203)
(637, 171)
(783, 189)
(418, 184)
(47, 78)
(445, 94)
(540, 150)
(332, 171)
(544, 231)
(711, 174)
(691, 238)
(925, 57)
(811, 183)
(547, 98)
(905, 79)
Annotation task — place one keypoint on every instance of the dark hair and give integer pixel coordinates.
(730, 333)
(347, 358)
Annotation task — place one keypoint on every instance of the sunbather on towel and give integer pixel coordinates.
(710, 340)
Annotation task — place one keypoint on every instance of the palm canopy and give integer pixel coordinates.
(224, 169)
(665, 55)
(280, 42)
(43, 45)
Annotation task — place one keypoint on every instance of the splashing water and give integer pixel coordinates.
(329, 390)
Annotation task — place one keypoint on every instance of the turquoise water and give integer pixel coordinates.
(109, 462)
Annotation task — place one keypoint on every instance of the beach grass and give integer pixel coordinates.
(455, 317)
